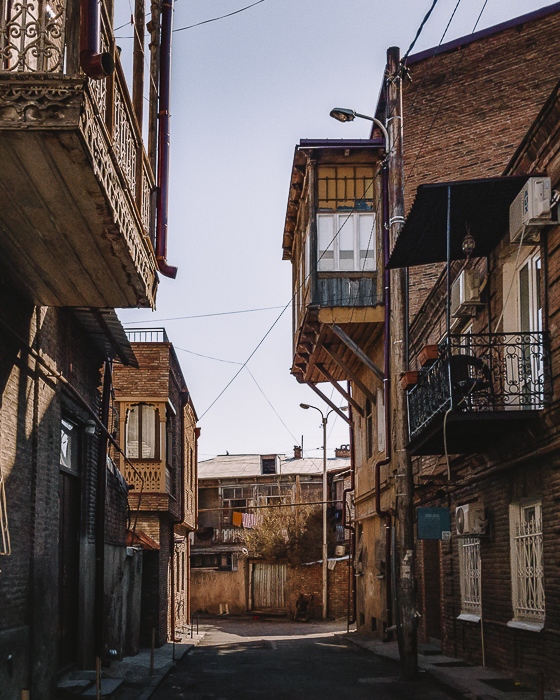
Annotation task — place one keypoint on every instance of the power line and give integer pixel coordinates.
(219, 313)
(215, 19)
(426, 18)
(271, 406)
(207, 357)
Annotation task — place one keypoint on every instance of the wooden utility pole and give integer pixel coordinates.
(405, 603)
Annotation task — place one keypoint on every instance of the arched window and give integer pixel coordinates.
(142, 432)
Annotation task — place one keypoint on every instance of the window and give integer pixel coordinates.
(346, 242)
(380, 421)
(369, 429)
(469, 571)
(268, 465)
(69, 445)
(220, 562)
(142, 432)
(345, 187)
(527, 561)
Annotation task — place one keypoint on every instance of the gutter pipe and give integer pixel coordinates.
(346, 519)
(95, 64)
(163, 140)
(386, 514)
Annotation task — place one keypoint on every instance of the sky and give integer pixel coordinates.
(245, 90)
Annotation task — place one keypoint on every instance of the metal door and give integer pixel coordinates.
(269, 586)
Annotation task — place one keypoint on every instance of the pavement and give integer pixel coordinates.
(456, 676)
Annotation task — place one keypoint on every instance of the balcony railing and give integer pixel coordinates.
(147, 335)
(226, 535)
(478, 373)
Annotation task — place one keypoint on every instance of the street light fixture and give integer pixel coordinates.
(342, 114)
(324, 419)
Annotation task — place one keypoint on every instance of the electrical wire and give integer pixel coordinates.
(215, 19)
(220, 313)
(207, 357)
(426, 18)
(295, 439)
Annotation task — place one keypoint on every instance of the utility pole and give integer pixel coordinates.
(325, 496)
(405, 603)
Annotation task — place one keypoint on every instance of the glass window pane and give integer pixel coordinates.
(325, 233)
(366, 226)
(68, 445)
(132, 433)
(148, 432)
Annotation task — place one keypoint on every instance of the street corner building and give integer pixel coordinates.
(425, 280)
(157, 430)
(232, 573)
(80, 234)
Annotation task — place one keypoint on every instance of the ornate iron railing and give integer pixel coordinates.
(482, 372)
(32, 36)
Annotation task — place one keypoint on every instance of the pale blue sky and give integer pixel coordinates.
(245, 90)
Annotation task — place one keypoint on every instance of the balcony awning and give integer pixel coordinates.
(106, 331)
(480, 205)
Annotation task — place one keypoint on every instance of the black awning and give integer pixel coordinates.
(480, 205)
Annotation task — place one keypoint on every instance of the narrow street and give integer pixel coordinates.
(280, 659)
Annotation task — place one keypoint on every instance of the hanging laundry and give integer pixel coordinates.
(237, 519)
(249, 520)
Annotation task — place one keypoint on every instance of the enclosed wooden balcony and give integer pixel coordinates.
(75, 183)
(479, 389)
(332, 236)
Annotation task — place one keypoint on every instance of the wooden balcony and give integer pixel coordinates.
(75, 182)
(480, 388)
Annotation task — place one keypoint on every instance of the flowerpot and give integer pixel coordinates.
(409, 379)
(428, 355)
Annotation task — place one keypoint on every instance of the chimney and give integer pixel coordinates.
(343, 451)
(297, 452)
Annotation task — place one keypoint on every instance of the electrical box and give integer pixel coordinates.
(530, 211)
(433, 523)
(470, 520)
(465, 294)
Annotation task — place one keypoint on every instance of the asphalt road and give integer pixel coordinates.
(285, 660)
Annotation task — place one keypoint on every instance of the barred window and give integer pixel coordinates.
(469, 570)
(527, 561)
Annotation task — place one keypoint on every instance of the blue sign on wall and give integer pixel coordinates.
(434, 523)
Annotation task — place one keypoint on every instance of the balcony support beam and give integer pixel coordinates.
(352, 376)
(334, 407)
(357, 350)
(355, 405)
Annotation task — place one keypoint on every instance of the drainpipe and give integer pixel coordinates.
(163, 141)
(345, 519)
(95, 64)
(386, 514)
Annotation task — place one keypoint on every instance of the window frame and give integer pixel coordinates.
(340, 220)
(531, 610)
(470, 577)
(157, 432)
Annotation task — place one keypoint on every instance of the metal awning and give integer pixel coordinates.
(480, 205)
(106, 331)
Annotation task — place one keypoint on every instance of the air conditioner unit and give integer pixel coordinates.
(470, 520)
(465, 296)
(530, 211)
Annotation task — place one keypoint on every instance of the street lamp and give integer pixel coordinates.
(342, 114)
(324, 419)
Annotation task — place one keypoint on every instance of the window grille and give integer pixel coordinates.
(470, 569)
(527, 562)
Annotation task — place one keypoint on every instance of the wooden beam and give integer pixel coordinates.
(357, 350)
(325, 372)
(350, 374)
(334, 407)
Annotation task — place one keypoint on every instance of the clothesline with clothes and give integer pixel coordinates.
(246, 520)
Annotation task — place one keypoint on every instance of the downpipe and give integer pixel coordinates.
(95, 64)
(345, 519)
(163, 141)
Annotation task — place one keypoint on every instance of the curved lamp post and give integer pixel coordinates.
(324, 420)
(342, 114)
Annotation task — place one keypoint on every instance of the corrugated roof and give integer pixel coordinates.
(228, 466)
(106, 331)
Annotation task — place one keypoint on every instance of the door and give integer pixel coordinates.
(69, 496)
(269, 586)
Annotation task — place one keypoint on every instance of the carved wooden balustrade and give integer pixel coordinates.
(85, 125)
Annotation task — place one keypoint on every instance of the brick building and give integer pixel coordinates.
(481, 107)
(156, 423)
(77, 239)
(225, 578)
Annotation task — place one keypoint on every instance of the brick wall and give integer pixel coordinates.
(309, 580)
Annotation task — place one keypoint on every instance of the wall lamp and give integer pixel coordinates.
(90, 427)
(348, 115)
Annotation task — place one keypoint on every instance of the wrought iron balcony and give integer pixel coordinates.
(76, 183)
(480, 386)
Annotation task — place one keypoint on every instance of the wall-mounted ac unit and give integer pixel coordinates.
(470, 520)
(530, 211)
(465, 295)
